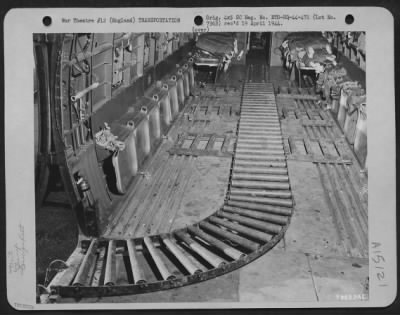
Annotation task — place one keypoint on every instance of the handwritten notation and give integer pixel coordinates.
(16, 255)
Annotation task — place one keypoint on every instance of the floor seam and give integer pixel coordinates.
(312, 276)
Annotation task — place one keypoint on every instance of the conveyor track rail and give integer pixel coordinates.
(254, 217)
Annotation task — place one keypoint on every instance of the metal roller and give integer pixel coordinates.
(257, 106)
(266, 129)
(266, 133)
(263, 177)
(251, 141)
(259, 122)
(257, 98)
(264, 108)
(256, 88)
(261, 99)
(259, 184)
(260, 207)
(250, 222)
(262, 111)
(264, 142)
(259, 118)
(274, 218)
(257, 192)
(260, 138)
(256, 92)
(270, 113)
(229, 236)
(259, 170)
(84, 273)
(246, 124)
(111, 268)
(264, 200)
(255, 234)
(269, 116)
(259, 132)
(228, 250)
(260, 88)
(180, 255)
(65, 277)
(258, 103)
(259, 151)
(271, 139)
(265, 158)
(259, 147)
(260, 163)
(137, 272)
(251, 97)
(162, 268)
(96, 281)
(213, 259)
(260, 125)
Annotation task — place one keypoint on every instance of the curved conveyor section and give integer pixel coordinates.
(254, 217)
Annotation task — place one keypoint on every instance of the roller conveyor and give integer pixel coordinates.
(254, 218)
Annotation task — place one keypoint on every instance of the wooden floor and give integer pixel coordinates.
(186, 180)
(315, 144)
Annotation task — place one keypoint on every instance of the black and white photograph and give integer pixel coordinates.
(219, 162)
(201, 167)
